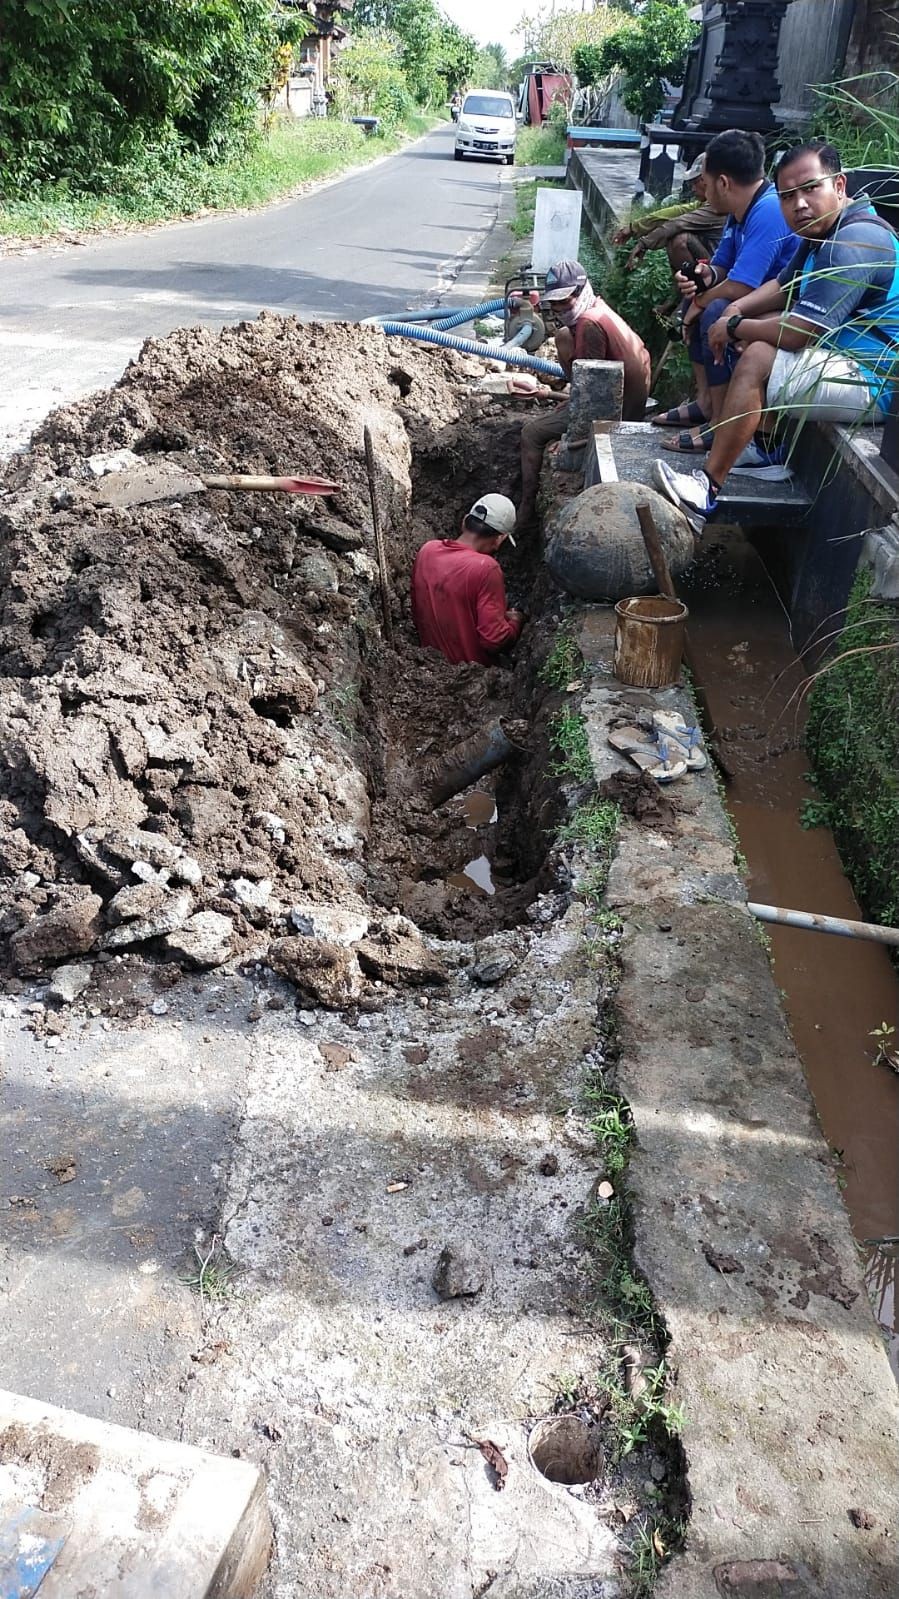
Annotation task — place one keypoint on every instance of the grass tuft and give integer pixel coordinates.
(568, 737)
(564, 664)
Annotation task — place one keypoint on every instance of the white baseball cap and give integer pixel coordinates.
(496, 512)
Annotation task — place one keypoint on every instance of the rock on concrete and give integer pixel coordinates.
(68, 982)
(337, 924)
(146, 910)
(459, 1273)
(326, 973)
(139, 1515)
(206, 939)
(594, 546)
(68, 929)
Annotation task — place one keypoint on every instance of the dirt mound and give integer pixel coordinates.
(191, 727)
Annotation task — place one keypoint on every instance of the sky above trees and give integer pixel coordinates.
(490, 23)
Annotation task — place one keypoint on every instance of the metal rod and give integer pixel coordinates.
(825, 924)
(379, 538)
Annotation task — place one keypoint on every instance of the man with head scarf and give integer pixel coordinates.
(586, 329)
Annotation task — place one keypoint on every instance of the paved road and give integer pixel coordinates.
(381, 240)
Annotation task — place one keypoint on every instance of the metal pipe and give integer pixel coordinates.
(825, 924)
(449, 341)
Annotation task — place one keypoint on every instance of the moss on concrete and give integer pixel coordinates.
(853, 741)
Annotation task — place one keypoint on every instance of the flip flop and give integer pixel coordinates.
(690, 443)
(687, 414)
(685, 738)
(663, 761)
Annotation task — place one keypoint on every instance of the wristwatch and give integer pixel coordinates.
(733, 322)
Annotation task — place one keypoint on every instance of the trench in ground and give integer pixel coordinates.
(836, 990)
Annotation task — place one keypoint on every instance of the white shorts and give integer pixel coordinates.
(823, 385)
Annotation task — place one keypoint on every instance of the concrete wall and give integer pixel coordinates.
(813, 43)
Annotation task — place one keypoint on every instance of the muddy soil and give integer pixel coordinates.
(203, 731)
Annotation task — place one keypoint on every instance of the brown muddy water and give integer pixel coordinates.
(836, 990)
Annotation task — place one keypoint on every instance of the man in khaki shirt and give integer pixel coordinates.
(685, 234)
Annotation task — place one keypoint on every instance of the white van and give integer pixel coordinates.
(486, 126)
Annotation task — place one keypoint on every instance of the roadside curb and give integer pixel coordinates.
(792, 1413)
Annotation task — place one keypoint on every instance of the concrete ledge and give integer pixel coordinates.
(607, 180)
(792, 1414)
(137, 1514)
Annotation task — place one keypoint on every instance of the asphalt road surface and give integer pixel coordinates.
(414, 229)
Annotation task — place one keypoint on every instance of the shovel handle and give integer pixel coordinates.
(274, 485)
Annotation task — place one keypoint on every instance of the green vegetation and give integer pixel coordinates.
(151, 190)
(541, 147)
(861, 117)
(610, 1120)
(565, 663)
(814, 813)
(213, 1279)
(853, 741)
(648, 48)
(568, 737)
(128, 112)
(595, 824)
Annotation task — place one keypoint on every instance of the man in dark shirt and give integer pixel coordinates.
(458, 593)
(821, 339)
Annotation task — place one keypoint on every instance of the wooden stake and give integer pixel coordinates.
(379, 539)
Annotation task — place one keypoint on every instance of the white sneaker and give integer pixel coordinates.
(692, 492)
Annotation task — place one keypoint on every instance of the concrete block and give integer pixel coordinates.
(597, 395)
(135, 1515)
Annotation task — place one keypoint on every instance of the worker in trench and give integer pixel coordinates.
(586, 329)
(458, 592)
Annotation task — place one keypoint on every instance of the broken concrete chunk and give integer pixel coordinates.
(108, 849)
(275, 826)
(334, 923)
(112, 461)
(494, 968)
(187, 870)
(251, 896)
(459, 1272)
(69, 929)
(68, 982)
(400, 957)
(148, 873)
(137, 900)
(157, 913)
(327, 973)
(205, 940)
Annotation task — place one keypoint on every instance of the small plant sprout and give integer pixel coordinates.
(564, 664)
(886, 1053)
(213, 1278)
(568, 737)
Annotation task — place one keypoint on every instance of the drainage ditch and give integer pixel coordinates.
(837, 991)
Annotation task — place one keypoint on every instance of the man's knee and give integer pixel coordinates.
(712, 314)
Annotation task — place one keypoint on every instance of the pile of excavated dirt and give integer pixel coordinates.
(206, 744)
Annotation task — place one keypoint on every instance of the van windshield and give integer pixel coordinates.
(487, 105)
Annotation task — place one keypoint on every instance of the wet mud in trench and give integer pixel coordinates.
(836, 990)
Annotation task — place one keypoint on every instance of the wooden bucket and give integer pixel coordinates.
(649, 640)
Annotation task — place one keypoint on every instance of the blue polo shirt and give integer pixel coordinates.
(757, 249)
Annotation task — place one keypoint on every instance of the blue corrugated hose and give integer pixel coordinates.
(468, 314)
(450, 341)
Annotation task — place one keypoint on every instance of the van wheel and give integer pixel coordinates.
(458, 155)
(510, 160)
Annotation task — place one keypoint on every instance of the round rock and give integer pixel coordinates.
(595, 549)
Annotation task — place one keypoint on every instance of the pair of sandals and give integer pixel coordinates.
(669, 749)
(686, 416)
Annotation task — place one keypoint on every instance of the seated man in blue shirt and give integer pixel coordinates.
(821, 339)
(755, 245)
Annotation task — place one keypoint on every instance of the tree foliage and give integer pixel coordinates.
(491, 69)
(436, 56)
(85, 84)
(649, 48)
(552, 35)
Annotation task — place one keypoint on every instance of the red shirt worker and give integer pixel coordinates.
(458, 593)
